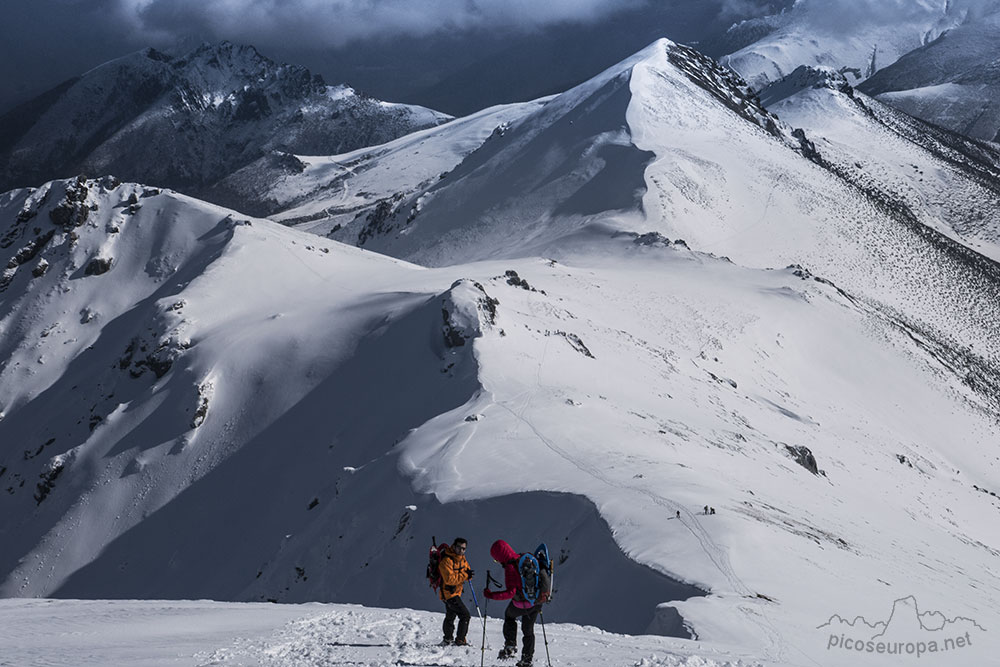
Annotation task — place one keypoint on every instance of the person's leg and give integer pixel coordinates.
(463, 617)
(449, 620)
(528, 632)
(510, 630)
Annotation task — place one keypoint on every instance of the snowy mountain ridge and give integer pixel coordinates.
(943, 180)
(187, 122)
(862, 37)
(649, 145)
(952, 81)
(933, 60)
(577, 153)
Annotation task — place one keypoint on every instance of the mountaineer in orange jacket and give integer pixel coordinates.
(455, 571)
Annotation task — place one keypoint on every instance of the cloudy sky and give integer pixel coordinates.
(43, 42)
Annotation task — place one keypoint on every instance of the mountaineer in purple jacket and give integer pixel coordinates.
(519, 607)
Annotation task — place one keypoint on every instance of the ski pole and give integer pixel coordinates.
(547, 658)
(472, 589)
(475, 601)
(486, 609)
(482, 650)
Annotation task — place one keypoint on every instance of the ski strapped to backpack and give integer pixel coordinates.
(536, 575)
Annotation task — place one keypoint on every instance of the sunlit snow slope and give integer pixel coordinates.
(200, 405)
(320, 193)
(670, 142)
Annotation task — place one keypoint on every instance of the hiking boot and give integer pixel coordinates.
(445, 642)
(523, 662)
(507, 652)
(462, 642)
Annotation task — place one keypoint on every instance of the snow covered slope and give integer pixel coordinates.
(861, 36)
(319, 193)
(188, 121)
(542, 177)
(953, 81)
(948, 182)
(200, 405)
(230, 392)
(670, 142)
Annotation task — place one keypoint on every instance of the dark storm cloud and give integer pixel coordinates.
(736, 10)
(43, 42)
(323, 23)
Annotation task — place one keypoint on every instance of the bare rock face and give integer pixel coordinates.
(804, 457)
(467, 311)
(72, 210)
(98, 266)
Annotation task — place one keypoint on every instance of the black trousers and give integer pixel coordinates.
(455, 608)
(527, 617)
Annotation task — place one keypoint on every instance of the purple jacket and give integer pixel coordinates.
(504, 554)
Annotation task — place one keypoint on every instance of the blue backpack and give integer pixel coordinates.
(536, 575)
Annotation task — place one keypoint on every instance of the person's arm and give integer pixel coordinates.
(511, 580)
(500, 595)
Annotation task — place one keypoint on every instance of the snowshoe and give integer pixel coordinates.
(445, 642)
(507, 652)
(461, 642)
(523, 662)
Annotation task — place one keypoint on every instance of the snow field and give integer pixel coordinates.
(202, 633)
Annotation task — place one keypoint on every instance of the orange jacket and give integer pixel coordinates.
(454, 571)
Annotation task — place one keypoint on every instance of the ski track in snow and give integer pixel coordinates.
(716, 553)
(774, 647)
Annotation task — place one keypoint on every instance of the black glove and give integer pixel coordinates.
(469, 573)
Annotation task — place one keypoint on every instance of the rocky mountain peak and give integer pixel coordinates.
(231, 104)
(804, 77)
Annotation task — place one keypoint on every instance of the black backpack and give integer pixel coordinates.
(433, 561)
